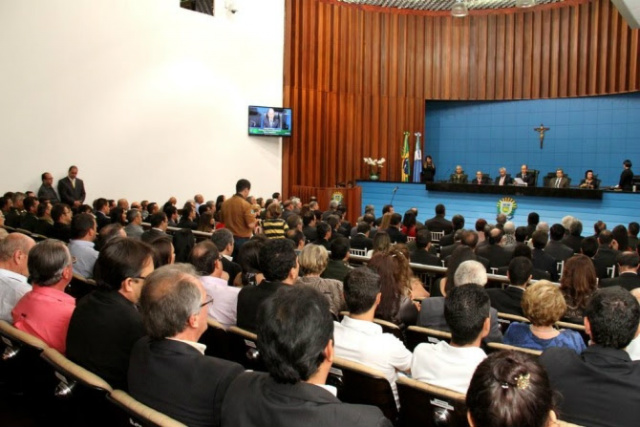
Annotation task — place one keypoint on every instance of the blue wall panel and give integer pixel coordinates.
(614, 208)
(585, 133)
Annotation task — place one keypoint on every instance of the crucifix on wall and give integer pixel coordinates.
(541, 130)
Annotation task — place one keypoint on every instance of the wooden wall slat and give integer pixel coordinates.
(357, 77)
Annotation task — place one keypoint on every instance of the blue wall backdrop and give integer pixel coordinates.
(585, 133)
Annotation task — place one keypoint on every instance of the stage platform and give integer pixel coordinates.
(613, 208)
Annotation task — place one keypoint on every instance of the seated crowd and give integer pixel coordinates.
(282, 270)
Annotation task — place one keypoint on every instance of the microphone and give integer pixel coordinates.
(393, 195)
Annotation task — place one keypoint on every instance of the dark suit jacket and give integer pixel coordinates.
(558, 250)
(447, 239)
(310, 233)
(564, 182)
(48, 193)
(61, 232)
(179, 381)
(485, 181)
(439, 223)
(420, 256)
(626, 180)
(573, 242)
(360, 241)
(605, 257)
(102, 331)
(599, 386)
(12, 219)
(232, 269)
(256, 400)
(396, 235)
(529, 179)
(151, 234)
(432, 316)
(508, 300)
(250, 298)
(68, 194)
(545, 262)
(497, 255)
(102, 219)
(28, 221)
(336, 269)
(507, 180)
(445, 251)
(627, 280)
(43, 228)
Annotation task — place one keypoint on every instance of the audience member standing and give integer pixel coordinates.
(237, 215)
(46, 190)
(71, 189)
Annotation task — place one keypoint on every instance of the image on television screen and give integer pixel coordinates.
(269, 121)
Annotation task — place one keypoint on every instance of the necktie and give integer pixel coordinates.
(73, 183)
(557, 182)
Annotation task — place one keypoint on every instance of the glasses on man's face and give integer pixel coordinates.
(139, 277)
(207, 302)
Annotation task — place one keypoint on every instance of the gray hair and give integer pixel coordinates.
(334, 204)
(169, 297)
(12, 243)
(47, 261)
(543, 226)
(567, 221)
(509, 227)
(222, 238)
(502, 169)
(295, 201)
(132, 214)
(470, 272)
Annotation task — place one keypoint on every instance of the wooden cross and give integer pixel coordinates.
(541, 130)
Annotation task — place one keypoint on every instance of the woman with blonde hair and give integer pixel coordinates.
(381, 243)
(386, 220)
(313, 261)
(544, 305)
(579, 281)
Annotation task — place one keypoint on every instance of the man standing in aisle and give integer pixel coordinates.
(237, 216)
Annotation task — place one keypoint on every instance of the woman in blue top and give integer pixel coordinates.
(544, 305)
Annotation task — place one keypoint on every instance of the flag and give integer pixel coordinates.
(417, 159)
(406, 166)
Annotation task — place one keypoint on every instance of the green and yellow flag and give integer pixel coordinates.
(406, 166)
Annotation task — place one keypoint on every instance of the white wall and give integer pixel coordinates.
(148, 99)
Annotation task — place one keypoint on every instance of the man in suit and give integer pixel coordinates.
(309, 226)
(61, 215)
(628, 269)
(574, 237)
(362, 240)
(503, 178)
(439, 222)
(493, 251)
(279, 264)
(168, 370)
(600, 386)
(337, 268)
(159, 224)
(559, 181)
(295, 337)
(480, 179)
(526, 176)
(633, 229)
(46, 190)
(271, 120)
(393, 231)
(134, 227)
(446, 251)
(29, 219)
(541, 260)
(459, 177)
(509, 300)
(224, 241)
(606, 255)
(457, 221)
(422, 255)
(626, 177)
(71, 189)
(555, 247)
(101, 211)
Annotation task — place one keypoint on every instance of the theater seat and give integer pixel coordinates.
(133, 413)
(426, 405)
(216, 339)
(417, 335)
(243, 349)
(493, 347)
(390, 328)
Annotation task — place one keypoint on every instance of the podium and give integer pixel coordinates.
(350, 197)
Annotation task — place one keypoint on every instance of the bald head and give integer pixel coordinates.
(14, 253)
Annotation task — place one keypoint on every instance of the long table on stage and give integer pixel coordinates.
(512, 190)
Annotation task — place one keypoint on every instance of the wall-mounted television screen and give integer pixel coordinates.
(269, 121)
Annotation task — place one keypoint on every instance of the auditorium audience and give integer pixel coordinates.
(168, 370)
(46, 190)
(600, 386)
(45, 311)
(29, 219)
(118, 216)
(598, 227)
(14, 271)
(134, 227)
(338, 265)
(224, 241)
(120, 271)
(510, 389)
(451, 365)
(532, 222)
(107, 233)
(237, 215)
(634, 346)
(381, 243)
(578, 283)
(249, 261)
(44, 225)
(313, 262)
(544, 305)
(361, 239)
(409, 224)
(422, 254)
(12, 217)
(274, 227)
(494, 251)
(61, 215)
(393, 230)
(541, 260)
(439, 222)
(163, 251)
(324, 233)
(633, 230)
(628, 272)
(309, 226)
(457, 221)
(606, 255)
(558, 250)
(589, 247)
(159, 224)
(509, 300)
(82, 246)
(187, 219)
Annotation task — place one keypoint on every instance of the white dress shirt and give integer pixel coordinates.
(364, 342)
(13, 286)
(446, 366)
(225, 300)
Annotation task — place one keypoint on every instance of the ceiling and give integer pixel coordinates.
(442, 5)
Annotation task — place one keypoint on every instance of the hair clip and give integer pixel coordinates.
(504, 385)
(523, 381)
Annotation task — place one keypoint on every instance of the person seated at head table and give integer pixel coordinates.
(459, 177)
(559, 181)
(527, 177)
(589, 181)
(504, 178)
(481, 179)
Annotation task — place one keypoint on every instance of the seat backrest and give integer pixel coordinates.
(216, 339)
(390, 328)
(417, 335)
(426, 405)
(535, 173)
(493, 347)
(139, 414)
(436, 236)
(361, 384)
(69, 373)
(359, 252)
(80, 286)
(505, 319)
(243, 348)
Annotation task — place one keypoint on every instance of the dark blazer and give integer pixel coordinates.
(447, 239)
(232, 269)
(558, 250)
(250, 298)
(61, 232)
(545, 262)
(420, 256)
(573, 242)
(454, 178)
(43, 228)
(360, 241)
(102, 331)
(530, 179)
(179, 381)
(445, 251)
(439, 223)
(626, 180)
(537, 274)
(508, 300)
(310, 233)
(102, 219)
(48, 193)
(599, 386)
(627, 280)
(564, 182)
(485, 181)
(595, 183)
(187, 223)
(256, 400)
(497, 255)
(68, 194)
(12, 219)
(151, 234)
(432, 316)
(507, 180)
(604, 258)
(336, 269)
(396, 235)
(28, 221)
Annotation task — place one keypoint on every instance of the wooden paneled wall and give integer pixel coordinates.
(358, 77)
